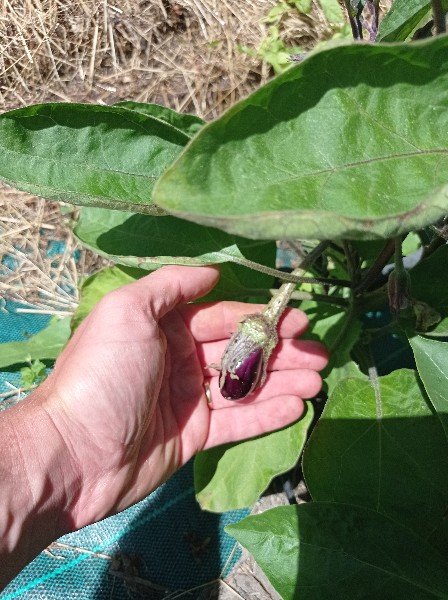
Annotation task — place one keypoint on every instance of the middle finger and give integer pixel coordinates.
(288, 354)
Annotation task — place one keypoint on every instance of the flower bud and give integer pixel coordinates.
(243, 365)
(399, 287)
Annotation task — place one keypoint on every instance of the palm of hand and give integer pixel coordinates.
(131, 396)
(159, 415)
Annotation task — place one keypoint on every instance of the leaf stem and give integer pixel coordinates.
(328, 299)
(398, 256)
(354, 18)
(437, 242)
(279, 302)
(375, 270)
(289, 277)
(353, 262)
(439, 16)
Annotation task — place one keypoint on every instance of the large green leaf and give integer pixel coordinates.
(235, 475)
(45, 345)
(243, 284)
(323, 550)
(87, 154)
(327, 323)
(98, 285)
(164, 240)
(189, 124)
(403, 19)
(431, 357)
(349, 143)
(430, 285)
(382, 447)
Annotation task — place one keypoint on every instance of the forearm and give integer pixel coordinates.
(37, 484)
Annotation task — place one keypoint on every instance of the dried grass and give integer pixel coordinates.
(183, 54)
(34, 272)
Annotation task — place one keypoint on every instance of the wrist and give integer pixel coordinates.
(38, 483)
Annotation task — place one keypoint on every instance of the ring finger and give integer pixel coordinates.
(304, 383)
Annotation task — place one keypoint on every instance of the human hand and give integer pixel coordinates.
(127, 394)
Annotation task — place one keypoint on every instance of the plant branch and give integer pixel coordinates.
(352, 263)
(289, 277)
(149, 263)
(399, 266)
(328, 299)
(354, 17)
(439, 16)
(375, 270)
(437, 242)
(372, 27)
(279, 302)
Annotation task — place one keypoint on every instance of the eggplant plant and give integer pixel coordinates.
(343, 157)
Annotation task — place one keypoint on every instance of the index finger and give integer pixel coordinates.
(218, 320)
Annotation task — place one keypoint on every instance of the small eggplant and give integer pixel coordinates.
(244, 363)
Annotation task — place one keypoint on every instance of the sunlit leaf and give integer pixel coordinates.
(149, 242)
(87, 154)
(235, 475)
(431, 357)
(350, 143)
(328, 325)
(99, 284)
(189, 124)
(402, 19)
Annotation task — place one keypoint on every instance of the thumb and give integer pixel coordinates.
(172, 285)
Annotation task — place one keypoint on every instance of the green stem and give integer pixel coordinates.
(328, 299)
(439, 16)
(399, 266)
(352, 263)
(375, 270)
(290, 277)
(150, 263)
(361, 355)
(279, 302)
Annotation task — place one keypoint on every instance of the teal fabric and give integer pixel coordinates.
(162, 531)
